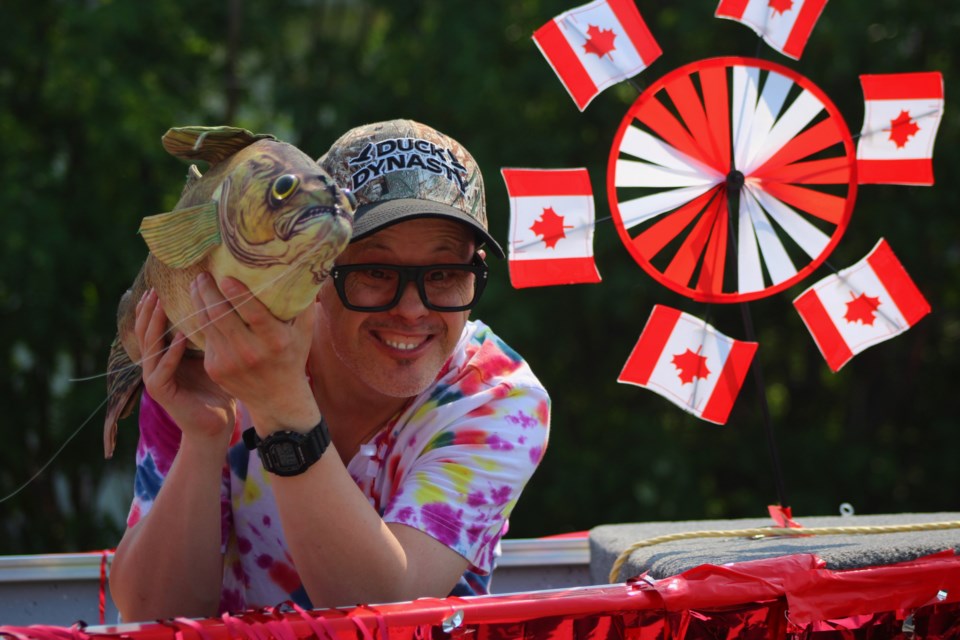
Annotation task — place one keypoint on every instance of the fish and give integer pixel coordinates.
(264, 212)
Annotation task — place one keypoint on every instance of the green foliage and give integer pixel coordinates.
(87, 89)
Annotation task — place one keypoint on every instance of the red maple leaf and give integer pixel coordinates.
(550, 227)
(780, 6)
(690, 365)
(599, 41)
(902, 128)
(861, 309)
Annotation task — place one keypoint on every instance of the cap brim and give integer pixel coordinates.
(377, 215)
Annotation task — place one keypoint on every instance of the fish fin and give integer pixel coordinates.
(124, 380)
(193, 177)
(193, 174)
(211, 144)
(182, 237)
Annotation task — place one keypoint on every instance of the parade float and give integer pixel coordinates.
(730, 179)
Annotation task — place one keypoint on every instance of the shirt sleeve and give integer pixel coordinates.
(158, 445)
(469, 452)
(156, 449)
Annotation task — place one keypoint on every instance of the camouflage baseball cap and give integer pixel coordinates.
(400, 169)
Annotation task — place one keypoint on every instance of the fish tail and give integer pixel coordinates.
(124, 379)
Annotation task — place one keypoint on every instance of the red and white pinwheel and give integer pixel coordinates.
(731, 179)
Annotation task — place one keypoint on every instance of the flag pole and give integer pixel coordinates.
(735, 181)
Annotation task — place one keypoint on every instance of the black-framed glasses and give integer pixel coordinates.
(379, 287)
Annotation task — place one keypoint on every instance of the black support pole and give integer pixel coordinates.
(734, 186)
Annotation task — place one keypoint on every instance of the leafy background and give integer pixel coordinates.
(88, 87)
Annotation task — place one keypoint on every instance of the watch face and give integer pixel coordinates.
(286, 455)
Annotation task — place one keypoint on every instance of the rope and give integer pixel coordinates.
(763, 532)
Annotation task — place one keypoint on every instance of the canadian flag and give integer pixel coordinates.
(872, 301)
(902, 112)
(690, 363)
(551, 227)
(784, 24)
(596, 45)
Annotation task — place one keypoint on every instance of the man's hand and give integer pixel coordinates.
(179, 384)
(258, 358)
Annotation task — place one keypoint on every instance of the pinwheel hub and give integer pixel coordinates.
(734, 181)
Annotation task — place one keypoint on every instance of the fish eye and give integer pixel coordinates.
(284, 186)
(352, 199)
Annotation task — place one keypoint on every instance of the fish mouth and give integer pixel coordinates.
(295, 224)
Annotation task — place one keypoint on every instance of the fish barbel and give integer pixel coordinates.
(264, 213)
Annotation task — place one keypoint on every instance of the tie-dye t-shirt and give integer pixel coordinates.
(452, 464)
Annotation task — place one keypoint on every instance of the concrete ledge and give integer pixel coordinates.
(839, 551)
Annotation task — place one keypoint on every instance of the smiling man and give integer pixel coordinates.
(385, 473)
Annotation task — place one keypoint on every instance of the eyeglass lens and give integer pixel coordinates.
(441, 287)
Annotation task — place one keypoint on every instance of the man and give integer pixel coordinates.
(388, 471)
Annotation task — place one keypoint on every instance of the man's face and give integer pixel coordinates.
(398, 352)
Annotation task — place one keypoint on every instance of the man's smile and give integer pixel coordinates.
(401, 342)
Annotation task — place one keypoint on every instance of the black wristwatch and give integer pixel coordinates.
(289, 453)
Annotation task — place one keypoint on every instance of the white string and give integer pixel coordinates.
(54, 456)
(63, 446)
(234, 305)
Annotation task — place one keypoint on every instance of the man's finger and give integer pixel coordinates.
(214, 312)
(303, 323)
(150, 326)
(250, 309)
(166, 365)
